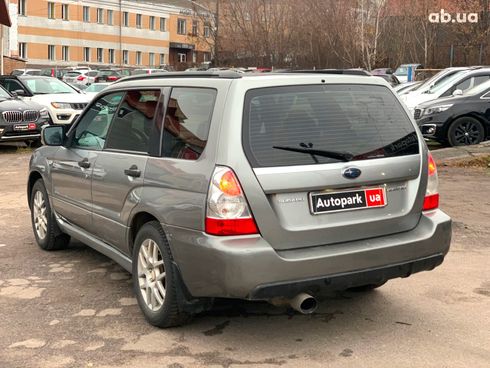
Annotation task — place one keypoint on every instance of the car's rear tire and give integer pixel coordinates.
(46, 231)
(156, 282)
(465, 131)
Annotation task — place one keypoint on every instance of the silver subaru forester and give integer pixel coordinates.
(262, 187)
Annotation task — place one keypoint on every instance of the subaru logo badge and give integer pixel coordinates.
(351, 173)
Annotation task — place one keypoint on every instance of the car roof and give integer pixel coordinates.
(258, 79)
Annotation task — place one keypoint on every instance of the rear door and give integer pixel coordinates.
(335, 163)
(120, 168)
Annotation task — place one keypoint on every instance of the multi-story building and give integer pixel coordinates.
(103, 32)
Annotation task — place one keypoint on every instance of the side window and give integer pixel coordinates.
(187, 122)
(91, 131)
(133, 123)
(480, 79)
(464, 85)
(12, 85)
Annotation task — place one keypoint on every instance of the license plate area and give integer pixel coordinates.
(347, 200)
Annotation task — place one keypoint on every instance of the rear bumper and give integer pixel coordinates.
(248, 267)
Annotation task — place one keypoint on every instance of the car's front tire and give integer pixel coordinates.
(157, 285)
(48, 235)
(465, 131)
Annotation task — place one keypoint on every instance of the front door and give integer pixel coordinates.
(120, 168)
(73, 166)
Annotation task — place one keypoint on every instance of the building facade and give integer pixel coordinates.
(100, 33)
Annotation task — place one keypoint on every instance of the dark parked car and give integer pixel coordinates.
(107, 75)
(20, 121)
(457, 121)
(390, 78)
(380, 71)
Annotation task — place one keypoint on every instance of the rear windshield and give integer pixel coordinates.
(304, 125)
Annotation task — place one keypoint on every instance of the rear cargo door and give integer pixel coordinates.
(336, 163)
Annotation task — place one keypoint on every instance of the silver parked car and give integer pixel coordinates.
(261, 187)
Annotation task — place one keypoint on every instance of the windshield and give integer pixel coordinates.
(73, 74)
(304, 125)
(481, 88)
(17, 72)
(44, 86)
(96, 87)
(4, 93)
(445, 84)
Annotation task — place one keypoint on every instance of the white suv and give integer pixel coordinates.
(63, 102)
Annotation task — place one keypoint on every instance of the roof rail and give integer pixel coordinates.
(332, 71)
(225, 74)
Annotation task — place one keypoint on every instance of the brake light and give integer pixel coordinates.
(81, 78)
(431, 200)
(227, 211)
(112, 78)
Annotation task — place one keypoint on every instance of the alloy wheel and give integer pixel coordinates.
(151, 275)
(466, 133)
(40, 218)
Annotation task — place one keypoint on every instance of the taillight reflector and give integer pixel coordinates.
(431, 202)
(222, 227)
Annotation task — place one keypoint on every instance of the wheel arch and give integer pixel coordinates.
(33, 177)
(136, 223)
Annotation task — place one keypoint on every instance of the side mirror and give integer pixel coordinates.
(19, 92)
(53, 135)
(457, 92)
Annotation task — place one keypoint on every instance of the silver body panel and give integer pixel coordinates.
(98, 205)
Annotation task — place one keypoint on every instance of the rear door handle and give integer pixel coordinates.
(133, 171)
(84, 163)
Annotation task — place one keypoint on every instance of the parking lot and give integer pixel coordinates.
(75, 308)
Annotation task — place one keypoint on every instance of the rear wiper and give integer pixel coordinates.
(342, 156)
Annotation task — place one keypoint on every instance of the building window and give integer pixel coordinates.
(22, 50)
(207, 31)
(51, 52)
(51, 13)
(207, 56)
(86, 54)
(194, 57)
(65, 53)
(125, 19)
(100, 55)
(195, 25)
(182, 57)
(181, 26)
(162, 59)
(138, 20)
(86, 14)
(111, 56)
(100, 15)
(22, 7)
(151, 23)
(64, 11)
(110, 17)
(138, 57)
(163, 24)
(125, 57)
(151, 59)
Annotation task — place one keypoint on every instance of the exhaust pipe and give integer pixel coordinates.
(304, 303)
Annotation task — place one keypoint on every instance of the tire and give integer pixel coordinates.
(46, 231)
(162, 304)
(465, 131)
(366, 288)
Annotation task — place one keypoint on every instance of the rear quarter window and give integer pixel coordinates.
(360, 121)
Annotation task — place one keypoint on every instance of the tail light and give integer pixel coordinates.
(111, 78)
(431, 200)
(81, 78)
(227, 211)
